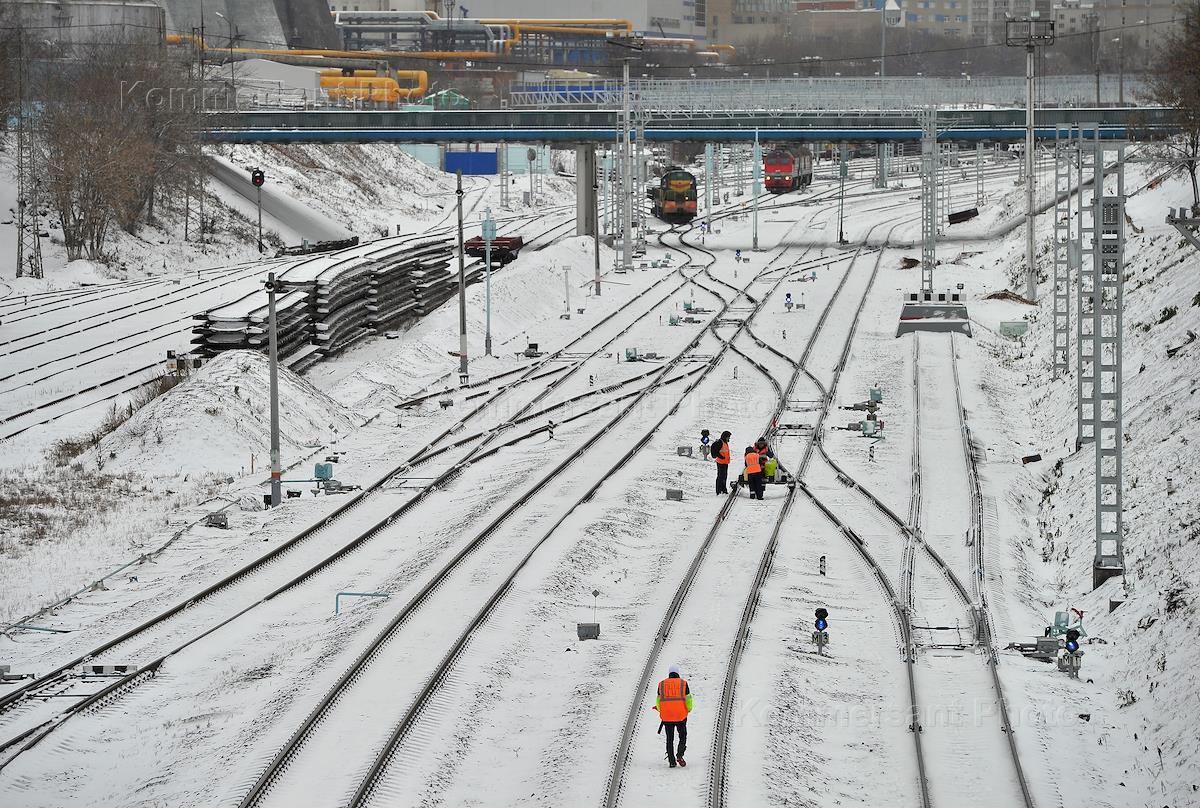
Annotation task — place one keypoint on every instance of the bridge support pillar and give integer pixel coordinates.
(585, 191)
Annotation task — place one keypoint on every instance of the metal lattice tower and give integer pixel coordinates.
(603, 172)
(1085, 315)
(979, 175)
(539, 168)
(929, 194)
(945, 181)
(640, 119)
(1064, 150)
(29, 243)
(1108, 269)
(708, 183)
(502, 170)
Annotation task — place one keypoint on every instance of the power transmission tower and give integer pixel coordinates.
(1065, 150)
(929, 194)
(29, 243)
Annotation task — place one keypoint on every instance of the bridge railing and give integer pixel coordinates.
(800, 93)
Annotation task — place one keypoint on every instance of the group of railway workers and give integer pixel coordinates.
(673, 699)
(760, 463)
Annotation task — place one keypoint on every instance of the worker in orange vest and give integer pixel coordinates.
(720, 453)
(754, 473)
(674, 702)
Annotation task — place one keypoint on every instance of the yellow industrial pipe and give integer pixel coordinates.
(180, 39)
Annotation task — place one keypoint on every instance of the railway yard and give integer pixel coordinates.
(413, 640)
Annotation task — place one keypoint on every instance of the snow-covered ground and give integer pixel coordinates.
(525, 701)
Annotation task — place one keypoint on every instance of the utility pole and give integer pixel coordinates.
(596, 216)
(708, 186)
(1120, 71)
(232, 73)
(258, 178)
(929, 193)
(462, 288)
(489, 235)
(29, 228)
(273, 359)
(757, 168)
(1029, 34)
(843, 170)
(199, 143)
(627, 177)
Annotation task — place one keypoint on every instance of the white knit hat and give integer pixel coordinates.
(674, 669)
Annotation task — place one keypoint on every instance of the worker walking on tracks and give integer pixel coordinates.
(754, 473)
(674, 702)
(720, 453)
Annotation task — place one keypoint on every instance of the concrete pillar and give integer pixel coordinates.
(585, 194)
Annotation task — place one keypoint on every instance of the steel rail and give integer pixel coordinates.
(899, 612)
(30, 738)
(718, 780)
(408, 720)
(283, 757)
(617, 772)
(983, 623)
(33, 736)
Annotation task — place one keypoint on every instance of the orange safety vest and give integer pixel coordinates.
(672, 697)
(723, 455)
(752, 463)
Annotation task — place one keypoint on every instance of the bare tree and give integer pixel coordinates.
(116, 126)
(1175, 83)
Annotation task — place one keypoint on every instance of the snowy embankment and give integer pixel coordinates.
(368, 190)
(182, 447)
(218, 421)
(1128, 724)
(1146, 672)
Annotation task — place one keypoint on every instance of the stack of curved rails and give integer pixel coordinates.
(151, 340)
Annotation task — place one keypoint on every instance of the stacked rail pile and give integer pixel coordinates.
(395, 276)
(330, 302)
(242, 324)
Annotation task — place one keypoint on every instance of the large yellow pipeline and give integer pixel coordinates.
(612, 24)
(368, 79)
(419, 77)
(180, 39)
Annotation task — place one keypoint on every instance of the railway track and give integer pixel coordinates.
(717, 770)
(28, 738)
(117, 687)
(374, 522)
(127, 381)
(340, 700)
(933, 686)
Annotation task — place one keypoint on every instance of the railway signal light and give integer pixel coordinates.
(1070, 662)
(820, 637)
(257, 178)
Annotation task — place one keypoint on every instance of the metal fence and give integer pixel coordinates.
(791, 94)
